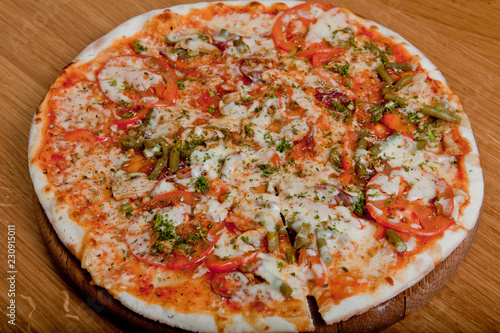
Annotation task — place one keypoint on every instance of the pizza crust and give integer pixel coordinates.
(68, 231)
(72, 235)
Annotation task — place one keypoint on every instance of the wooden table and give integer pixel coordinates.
(38, 38)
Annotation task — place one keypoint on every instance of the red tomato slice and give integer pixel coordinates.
(218, 265)
(192, 239)
(380, 130)
(291, 27)
(138, 80)
(308, 258)
(81, 135)
(305, 146)
(225, 284)
(172, 198)
(411, 201)
(201, 239)
(84, 136)
(132, 118)
(349, 141)
(276, 160)
(321, 59)
(396, 123)
(320, 51)
(324, 56)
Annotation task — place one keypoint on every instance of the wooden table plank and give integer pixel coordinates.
(39, 38)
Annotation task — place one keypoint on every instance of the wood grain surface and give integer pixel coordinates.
(38, 38)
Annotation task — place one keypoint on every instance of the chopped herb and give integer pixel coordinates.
(345, 30)
(267, 169)
(163, 228)
(284, 145)
(343, 70)
(357, 205)
(202, 184)
(136, 44)
(280, 265)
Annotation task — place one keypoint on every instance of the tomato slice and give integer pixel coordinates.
(309, 258)
(410, 200)
(291, 27)
(323, 58)
(305, 146)
(83, 135)
(226, 284)
(138, 80)
(219, 265)
(199, 240)
(320, 51)
(349, 145)
(186, 240)
(172, 198)
(396, 123)
(132, 117)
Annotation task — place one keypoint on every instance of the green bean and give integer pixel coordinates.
(186, 55)
(323, 250)
(290, 255)
(421, 143)
(402, 82)
(378, 52)
(173, 159)
(442, 106)
(360, 169)
(375, 149)
(172, 40)
(395, 98)
(400, 65)
(362, 144)
(150, 144)
(241, 46)
(289, 252)
(131, 142)
(396, 240)
(334, 157)
(441, 114)
(377, 112)
(162, 162)
(384, 75)
(386, 90)
(193, 53)
(225, 33)
(282, 229)
(273, 241)
(302, 239)
(285, 289)
(204, 37)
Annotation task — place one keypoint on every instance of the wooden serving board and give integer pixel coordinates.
(374, 320)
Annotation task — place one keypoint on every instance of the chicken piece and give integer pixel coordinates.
(131, 185)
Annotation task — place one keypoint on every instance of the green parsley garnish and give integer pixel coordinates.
(136, 44)
(202, 184)
(284, 145)
(357, 206)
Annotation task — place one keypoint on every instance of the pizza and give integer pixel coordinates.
(213, 166)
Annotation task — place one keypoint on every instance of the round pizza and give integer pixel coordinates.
(213, 166)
